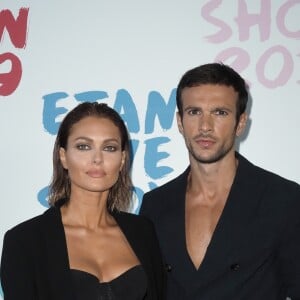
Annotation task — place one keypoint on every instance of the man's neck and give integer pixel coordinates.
(212, 179)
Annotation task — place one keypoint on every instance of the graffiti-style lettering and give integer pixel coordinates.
(16, 28)
(153, 156)
(43, 196)
(17, 31)
(9, 81)
(225, 31)
(158, 107)
(281, 18)
(91, 96)
(238, 57)
(285, 72)
(51, 111)
(245, 20)
(125, 106)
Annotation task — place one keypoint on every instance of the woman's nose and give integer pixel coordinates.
(97, 158)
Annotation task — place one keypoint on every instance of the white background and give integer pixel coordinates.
(141, 46)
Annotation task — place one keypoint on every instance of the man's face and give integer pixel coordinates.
(208, 123)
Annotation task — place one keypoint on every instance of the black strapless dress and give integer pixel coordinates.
(131, 285)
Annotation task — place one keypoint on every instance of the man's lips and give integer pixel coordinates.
(205, 143)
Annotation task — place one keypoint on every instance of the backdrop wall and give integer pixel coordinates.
(131, 54)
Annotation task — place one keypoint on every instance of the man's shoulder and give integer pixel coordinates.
(280, 185)
(163, 198)
(269, 179)
(274, 178)
(277, 178)
(176, 183)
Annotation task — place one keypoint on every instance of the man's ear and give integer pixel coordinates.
(179, 122)
(62, 156)
(241, 124)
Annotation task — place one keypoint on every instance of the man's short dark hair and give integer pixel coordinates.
(214, 73)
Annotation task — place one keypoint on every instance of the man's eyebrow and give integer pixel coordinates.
(192, 107)
(222, 108)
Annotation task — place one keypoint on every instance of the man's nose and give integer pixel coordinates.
(205, 122)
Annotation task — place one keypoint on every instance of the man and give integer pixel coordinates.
(227, 229)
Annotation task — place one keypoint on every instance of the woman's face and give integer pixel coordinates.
(93, 156)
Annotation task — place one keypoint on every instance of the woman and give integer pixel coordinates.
(84, 246)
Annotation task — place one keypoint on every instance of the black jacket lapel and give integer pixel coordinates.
(56, 256)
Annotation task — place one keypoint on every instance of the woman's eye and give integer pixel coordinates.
(110, 148)
(83, 147)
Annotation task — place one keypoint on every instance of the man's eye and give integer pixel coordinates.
(221, 112)
(83, 147)
(194, 112)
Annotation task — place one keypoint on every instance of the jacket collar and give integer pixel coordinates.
(56, 255)
(240, 207)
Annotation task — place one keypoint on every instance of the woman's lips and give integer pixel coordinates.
(95, 173)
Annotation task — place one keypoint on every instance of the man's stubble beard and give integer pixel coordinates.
(215, 157)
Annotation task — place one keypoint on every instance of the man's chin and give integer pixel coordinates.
(209, 159)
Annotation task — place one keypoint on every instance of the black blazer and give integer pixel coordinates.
(255, 249)
(35, 265)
